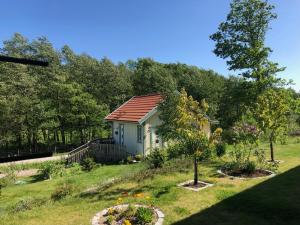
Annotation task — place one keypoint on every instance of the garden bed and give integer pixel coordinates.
(129, 215)
(191, 186)
(258, 173)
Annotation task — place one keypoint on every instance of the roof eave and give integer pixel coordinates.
(148, 115)
(106, 118)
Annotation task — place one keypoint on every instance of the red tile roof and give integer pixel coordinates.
(135, 108)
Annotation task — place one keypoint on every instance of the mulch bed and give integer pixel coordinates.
(191, 186)
(243, 174)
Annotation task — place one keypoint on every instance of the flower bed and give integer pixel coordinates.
(258, 173)
(129, 215)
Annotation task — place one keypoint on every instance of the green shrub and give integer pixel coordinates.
(28, 204)
(232, 166)
(156, 158)
(88, 164)
(249, 167)
(144, 215)
(175, 151)
(220, 149)
(138, 157)
(52, 169)
(298, 140)
(62, 191)
(75, 168)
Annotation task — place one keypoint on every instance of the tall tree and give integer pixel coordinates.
(150, 77)
(241, 41)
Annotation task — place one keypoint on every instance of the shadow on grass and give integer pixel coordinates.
(275, 201)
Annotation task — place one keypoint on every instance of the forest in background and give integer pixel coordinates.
(65, 103)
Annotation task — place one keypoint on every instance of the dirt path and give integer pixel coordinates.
(37, 160)
(23, 173)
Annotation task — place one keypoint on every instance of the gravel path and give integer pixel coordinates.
(37, 160)
(23, 173)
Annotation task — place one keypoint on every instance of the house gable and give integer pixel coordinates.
(137, 109)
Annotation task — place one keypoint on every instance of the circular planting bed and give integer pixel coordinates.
(129, 215)
(259, 173)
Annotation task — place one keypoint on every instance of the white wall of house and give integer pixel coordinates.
(126, 133)
(129, 136)
(152, 139)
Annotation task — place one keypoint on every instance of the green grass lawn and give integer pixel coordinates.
(264, 201)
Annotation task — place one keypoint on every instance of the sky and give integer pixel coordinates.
(165, 30)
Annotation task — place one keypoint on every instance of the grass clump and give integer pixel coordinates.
(63, 190)
(28, 204)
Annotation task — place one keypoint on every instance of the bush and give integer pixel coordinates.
(138, 157)
(75, 168)
(88, 164)
(232, 166)
(144, 215)
(220, 149)
(28, 204)
(10, 177)
(175, 151)
(156, 158)
(51, 170)
(62, 191)
(249, 167)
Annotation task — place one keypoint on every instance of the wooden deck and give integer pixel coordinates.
(102, 150)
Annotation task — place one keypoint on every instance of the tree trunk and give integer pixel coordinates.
(272, 150)
(195, 171)
(71, 137)
(81, 136)
(63, 137)
(34, 141)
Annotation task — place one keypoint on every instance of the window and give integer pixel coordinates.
(139, 134)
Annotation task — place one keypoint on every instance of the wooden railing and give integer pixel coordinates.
(103, 150)
(105, 153)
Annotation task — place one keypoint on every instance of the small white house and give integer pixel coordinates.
(135, 123)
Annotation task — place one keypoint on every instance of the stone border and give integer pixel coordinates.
(276, 161)
(272, 174)
(96, 218)
(195, 189)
